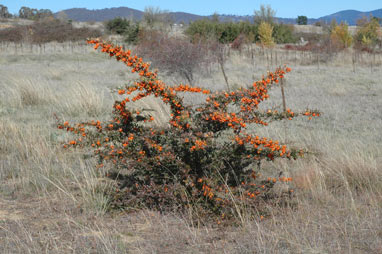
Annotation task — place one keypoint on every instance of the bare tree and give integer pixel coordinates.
(265, 14)
(219, 54)
(173, 55)
(154, 15)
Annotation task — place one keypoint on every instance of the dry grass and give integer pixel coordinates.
(318, 29)
(52, 199)
(5, 23)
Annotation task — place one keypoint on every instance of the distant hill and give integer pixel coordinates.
(351, 16)
(184, 17)
(85, 15)
(82, 14)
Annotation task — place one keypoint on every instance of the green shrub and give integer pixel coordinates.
(227, 32)
(124, 27)
(203, 29)
(283, 33)
(132, 34)
(118, 25)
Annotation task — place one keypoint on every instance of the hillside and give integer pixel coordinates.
(82, 14)
(351, 16)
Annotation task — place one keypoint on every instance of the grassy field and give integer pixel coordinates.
(51, 199)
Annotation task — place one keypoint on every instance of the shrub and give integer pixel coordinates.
(367, 35)
(228, 32)
(132, 34)
(204, 157)
(118, 25)
(202, 29)
(238, 43)
(265, 34)
(341, 37)
(125, 28)
(47, 30)
(13, 34)
(283, 33)
(173, 55)
(225, 32)
(55, 30)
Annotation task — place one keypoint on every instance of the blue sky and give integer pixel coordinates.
(284, 8)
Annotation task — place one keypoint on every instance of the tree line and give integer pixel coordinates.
(26, 13)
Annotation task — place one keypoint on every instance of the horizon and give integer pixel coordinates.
(313, 9)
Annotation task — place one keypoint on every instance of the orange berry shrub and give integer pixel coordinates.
(205, 156)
